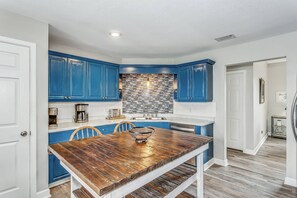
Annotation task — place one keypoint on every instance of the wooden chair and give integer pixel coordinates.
(123, 126)
(85, 132)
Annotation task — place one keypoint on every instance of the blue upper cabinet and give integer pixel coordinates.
(95, 81)
(195, 81)
(77, 79)
(112, 82)
(73, 78)
(184, 83)
(58, 73)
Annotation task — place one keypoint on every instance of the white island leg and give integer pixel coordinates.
(199, 166)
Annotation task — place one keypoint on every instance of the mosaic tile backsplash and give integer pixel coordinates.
(141, 97)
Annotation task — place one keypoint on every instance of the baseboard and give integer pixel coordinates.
(208, 164)
(290, 182)
(43, 194)
(57, 183)
(221, 162)
(256, 149)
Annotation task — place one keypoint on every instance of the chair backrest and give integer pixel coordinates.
(85, 132)
(123, 126)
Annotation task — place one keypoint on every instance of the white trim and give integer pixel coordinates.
(43, 194)
(208, 164)
(183, 186)
(290, 182)
(59, 182)
(256, 149)
(33, 111)
(221, 162)
(140, 181)
(244, 109)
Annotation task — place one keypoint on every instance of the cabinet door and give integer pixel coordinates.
(95, 81)
(57, 88)
(183, 84)
(202, 85)
(198, 83)
(56, 171)
(112, 82)
(77, 79)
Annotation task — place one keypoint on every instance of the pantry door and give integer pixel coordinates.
(235, 109)
(14, 121)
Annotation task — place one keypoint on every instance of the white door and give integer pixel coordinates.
(14, 121)
(235, 109)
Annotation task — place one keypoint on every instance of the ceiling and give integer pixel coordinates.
(157, 28)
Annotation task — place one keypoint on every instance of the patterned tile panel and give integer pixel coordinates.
(138, 97)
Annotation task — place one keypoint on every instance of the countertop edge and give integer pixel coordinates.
(102, 122)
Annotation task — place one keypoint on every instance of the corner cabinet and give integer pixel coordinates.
(73, 78)
(195, 81)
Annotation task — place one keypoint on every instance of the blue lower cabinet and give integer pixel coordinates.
(56, 171)
(106, 129)
(206, 131)
(164, 125)
(62, 136)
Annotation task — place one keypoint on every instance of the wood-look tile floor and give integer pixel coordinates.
(247, 176)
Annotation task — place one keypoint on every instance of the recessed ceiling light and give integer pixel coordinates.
(115, 34)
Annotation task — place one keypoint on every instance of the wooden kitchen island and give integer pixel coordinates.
(115, 165)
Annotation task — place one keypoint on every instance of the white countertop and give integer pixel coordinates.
(182, 119)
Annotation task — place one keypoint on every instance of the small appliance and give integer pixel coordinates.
(52, 117)
(81, 113)
(114, 114)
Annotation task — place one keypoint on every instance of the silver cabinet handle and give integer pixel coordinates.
(65, 97)
(24, 133)
(69, 97)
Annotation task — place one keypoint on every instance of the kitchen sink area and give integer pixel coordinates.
(148, 118)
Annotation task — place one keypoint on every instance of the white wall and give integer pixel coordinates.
(276, 82)
(27, 29)
(54, 46)
(260, 110)
(279, 46)
(95, 109)
(195, 109)
(249, 97)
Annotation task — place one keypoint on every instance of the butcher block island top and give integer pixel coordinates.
(109, 162)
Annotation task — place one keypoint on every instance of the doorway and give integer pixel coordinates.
(256, 103)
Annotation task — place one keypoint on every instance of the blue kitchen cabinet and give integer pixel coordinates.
(106, 129)
(77, 79)
(206, 131)
(67, 79)
(195, 81)
(58, 73)
(95, 81)
(111, 82)
(56, 171)
(73, 78)
(184, 83)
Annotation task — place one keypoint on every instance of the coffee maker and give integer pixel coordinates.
(81, 113)
(53, 117)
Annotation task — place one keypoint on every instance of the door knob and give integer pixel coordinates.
(24, 133)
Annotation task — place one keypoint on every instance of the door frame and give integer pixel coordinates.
(244, 109)
(32, 109)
